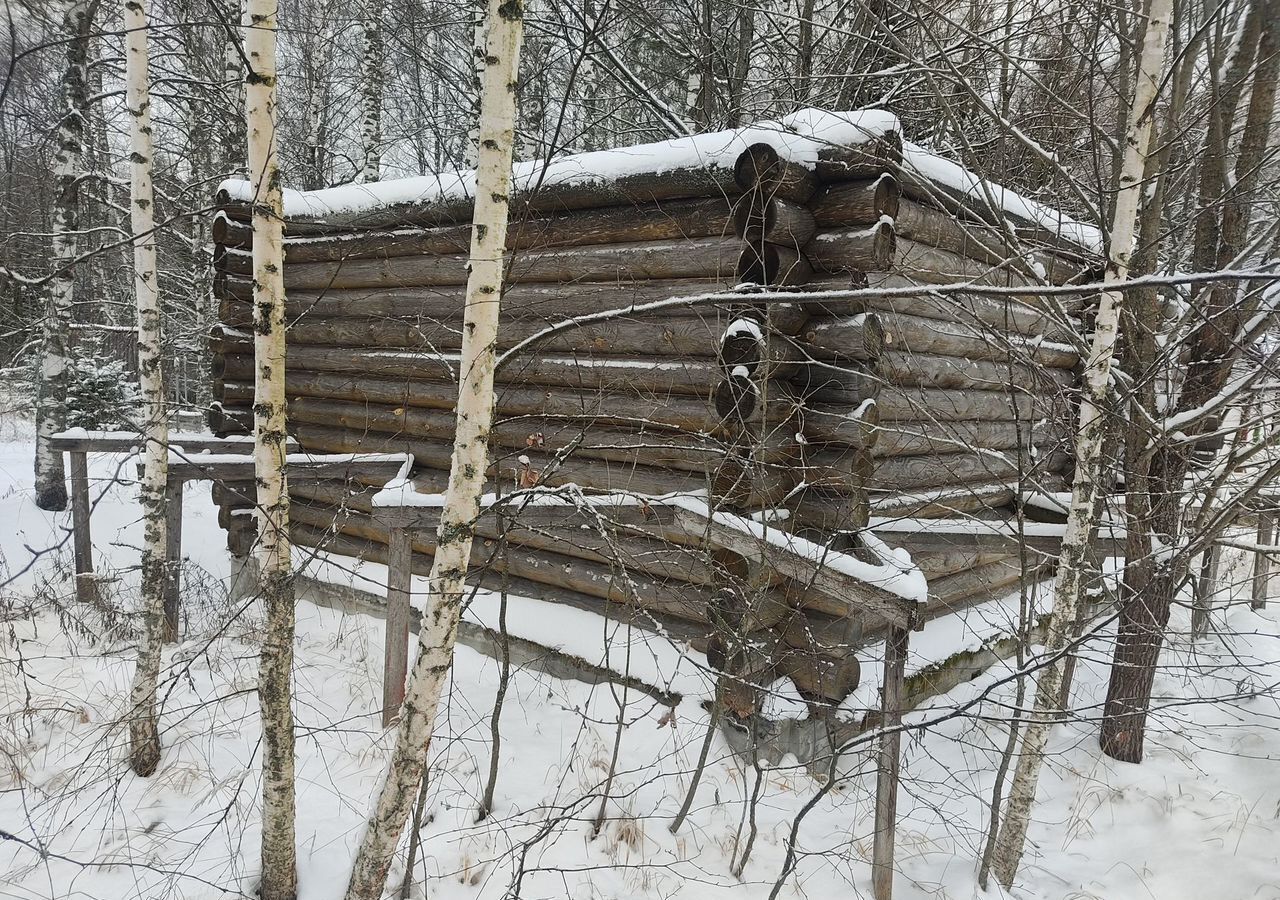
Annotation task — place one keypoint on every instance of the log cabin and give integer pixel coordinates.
(777, 371)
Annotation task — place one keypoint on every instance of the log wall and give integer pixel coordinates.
(817, 412)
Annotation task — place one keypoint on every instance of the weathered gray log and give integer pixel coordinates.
(929, 370)
(861, 337)
(983, 243)
(543, 302)
(918, 334)
(761, 219)
(620, 406)
(869, 159)
(651, 556)
(886, 820)
(869, 249)
(847, 424)
(815, 574)
(905, 438)
(842, 470)
(1028, 314)
(696, 258)
(949, 501)
(682, 377)
(844, 382)
(899, 474)
(931, 265)
(669, 220)
(772, 264)
(660, 448)
(533, 467)
(759, 168)
(938, 564)
(898, 404)
(856, 202)
(681, 336)
(828, 512)
(451, 206)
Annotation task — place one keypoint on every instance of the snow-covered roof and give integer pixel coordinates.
(800, 138)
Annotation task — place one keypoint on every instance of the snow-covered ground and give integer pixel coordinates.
(1200, 818)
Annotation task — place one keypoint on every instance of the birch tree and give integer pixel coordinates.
(279, 856)
(372, 77)
(68, 173)
(439, 630)
(1089, 444)
(144, 735)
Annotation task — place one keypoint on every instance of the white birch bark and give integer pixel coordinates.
(439, 630)
(279, 856)
(372, 79)
(144, 735)
(68, 168)
(1089, 438)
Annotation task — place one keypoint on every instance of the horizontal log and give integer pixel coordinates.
(937, 564)
(660, 448)
(856, 202)
(665, 596)
(847, 424)
(660, 378)
(689, 336)
(530, 466)
(861, 337)
(906, 438)
(869, 159)
(537, 199)
(918, 334)
(632, 552)
(897, 404)
(928, 370)
(761, 169)
(543, 302)
(945, 502)
(870, 249)
(931, 265)
(668, 220)
(829, 512)
(900, 474)
(819, 678)
(762, 219)
(983, 243)
(695, 258)
(1053, 317)
(973, 207)
(618, 407)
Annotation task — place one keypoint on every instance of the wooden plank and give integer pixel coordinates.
(882, 864)
(81, 533)
(380, 465)
(173, 558)
(395, 659)
(814, 574)
(126, 442)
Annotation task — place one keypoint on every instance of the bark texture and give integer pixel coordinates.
(279, 855)
(1090, 438)
(68, 168)
(466, 479)
(144, 735)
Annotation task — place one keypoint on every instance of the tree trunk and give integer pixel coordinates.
(144, 735)
(466, 479)
(68, 167)
(1214, 349)
(1081, 518)
(279, 854)
(371, 84)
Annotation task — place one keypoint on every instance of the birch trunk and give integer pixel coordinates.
(1089, 444)
(144, 735)
(371, 86)
(68, 167)
(279, 857)
(466, 479)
